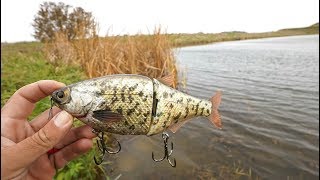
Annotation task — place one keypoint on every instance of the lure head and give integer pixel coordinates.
(75, 101)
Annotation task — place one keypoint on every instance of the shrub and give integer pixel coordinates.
(55, 18)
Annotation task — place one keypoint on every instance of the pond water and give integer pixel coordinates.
(269, 111)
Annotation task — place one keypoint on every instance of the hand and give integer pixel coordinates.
(24, 145)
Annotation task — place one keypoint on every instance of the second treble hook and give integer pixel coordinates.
(167, 154)
(102, 147)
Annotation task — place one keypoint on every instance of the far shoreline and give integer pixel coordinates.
(244, 40)
(185, 40)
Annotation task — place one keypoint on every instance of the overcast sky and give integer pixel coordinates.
(177, 16)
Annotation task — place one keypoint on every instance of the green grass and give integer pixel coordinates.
(23, 63)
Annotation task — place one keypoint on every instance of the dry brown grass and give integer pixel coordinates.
(217, 171)
(149, 55)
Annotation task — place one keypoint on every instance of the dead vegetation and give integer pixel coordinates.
(149, 55)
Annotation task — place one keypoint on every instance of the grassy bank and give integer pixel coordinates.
(24, 63)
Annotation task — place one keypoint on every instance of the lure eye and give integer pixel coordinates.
(60, 94)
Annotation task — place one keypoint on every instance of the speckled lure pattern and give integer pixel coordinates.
(131, 104)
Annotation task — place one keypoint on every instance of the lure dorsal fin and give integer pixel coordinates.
(107, 116)
(167, 80)
(215, 116)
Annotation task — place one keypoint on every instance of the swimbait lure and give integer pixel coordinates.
(134, 105)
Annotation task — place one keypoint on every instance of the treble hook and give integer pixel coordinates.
(167, 154)
(102, 147)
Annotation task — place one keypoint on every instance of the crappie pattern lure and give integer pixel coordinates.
(134, 105)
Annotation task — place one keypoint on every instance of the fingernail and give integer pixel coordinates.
(61, 84)
(62, 119)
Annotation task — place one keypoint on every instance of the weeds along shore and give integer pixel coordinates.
(98, 56)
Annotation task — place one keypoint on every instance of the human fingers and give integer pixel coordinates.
(75, 134)
(66, 154)
(22, 102)
(43, 165)
(28, 150)
(42, 119)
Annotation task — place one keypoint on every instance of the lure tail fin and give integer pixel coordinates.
(215, 116)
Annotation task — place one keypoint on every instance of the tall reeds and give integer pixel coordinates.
(149, 55)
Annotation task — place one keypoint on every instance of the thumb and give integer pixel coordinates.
(39, 143)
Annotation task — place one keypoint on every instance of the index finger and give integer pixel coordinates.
(22, 102)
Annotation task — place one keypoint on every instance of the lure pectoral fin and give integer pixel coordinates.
(107, 116)
(215, 116)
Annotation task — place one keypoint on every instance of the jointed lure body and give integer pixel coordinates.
(133, 105)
